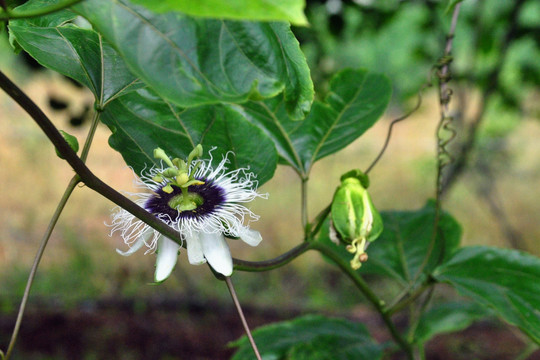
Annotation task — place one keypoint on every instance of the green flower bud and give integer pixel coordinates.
(354, 217)
(72, 142)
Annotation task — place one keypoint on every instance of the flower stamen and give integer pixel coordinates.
(358, 248)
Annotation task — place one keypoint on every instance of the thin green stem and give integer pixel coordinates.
(90, 136)
(415, 319)
(400, 305)
(319, 221)
(444, 99)
(304, 204)
(87, 177)
(259, 266)
(242, 317)
(368, 293)
(72, 184)
(96, 184)
(390, 127)
(15, 14)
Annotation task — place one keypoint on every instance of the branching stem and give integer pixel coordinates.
(391, 126)
(368, 293)
(93, 182)
(259, 266)
(444, 98)
(69, 190)
(86, 176)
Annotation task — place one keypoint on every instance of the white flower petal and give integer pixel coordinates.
(135, 246)
(194, 248)
(217, 252)
(167, 255)
(250, 237)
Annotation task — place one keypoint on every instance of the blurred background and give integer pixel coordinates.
(90, 303)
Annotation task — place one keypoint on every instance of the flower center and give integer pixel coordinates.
(201, 201)
(181, 194)
(186, 201)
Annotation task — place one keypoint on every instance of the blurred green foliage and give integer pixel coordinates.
(496, 48)
(403, 39)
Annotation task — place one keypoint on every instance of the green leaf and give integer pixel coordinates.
(447, 318)
(508, 281)
(141, 121)
(194, 61)
(259, 10)
(311, 337)
(356, 100)
(403, 245)
(406, 240)
(330, 347)
(58, 44)
(72, 142)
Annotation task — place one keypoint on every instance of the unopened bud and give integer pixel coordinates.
(353, 216)
(353, 213)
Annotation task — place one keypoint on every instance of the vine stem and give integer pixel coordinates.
(304, 197)
(444, 97)
(96, 184)
(67, 193)
(86, 175)
(72, 184)
(368, 293)
(242, 317)
(259, 266)
(391, 126)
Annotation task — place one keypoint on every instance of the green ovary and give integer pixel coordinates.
(186, 202)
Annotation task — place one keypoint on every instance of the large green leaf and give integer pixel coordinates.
(507, 281)
(401, 249)
(261, 10)
(311, 337)
(57, 43)
(141, 121)
(194, 61)
(356, 100)
(447, 318)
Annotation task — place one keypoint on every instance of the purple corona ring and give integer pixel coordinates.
(203, 204)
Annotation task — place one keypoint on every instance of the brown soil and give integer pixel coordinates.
(169, 329)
